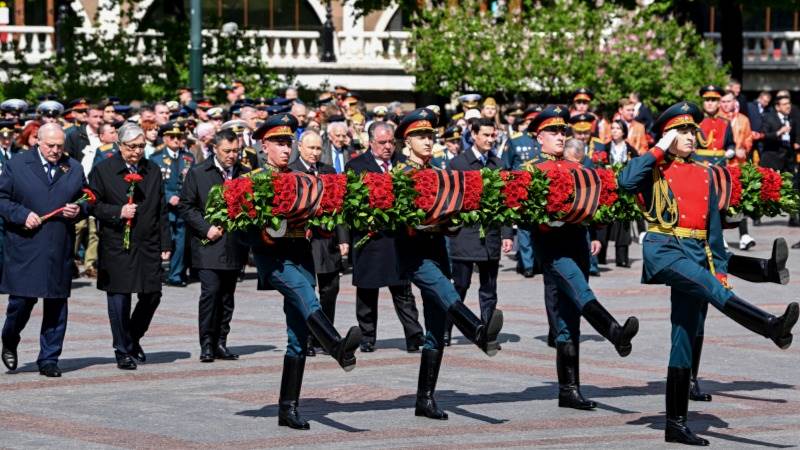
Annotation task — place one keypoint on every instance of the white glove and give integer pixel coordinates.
(667, 139)
(730, 153)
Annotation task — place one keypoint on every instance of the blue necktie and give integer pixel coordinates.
(48, 168)
(337, 162)
(483, 160)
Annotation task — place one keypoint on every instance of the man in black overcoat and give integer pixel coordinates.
(220, 259)
(468, 248)
(38, 254)
(121, 271)
(326, 248)
(375, 263)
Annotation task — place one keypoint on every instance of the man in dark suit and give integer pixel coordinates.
(780, 137)
(327, 250)
(136, 267)
(335, 153)
(38, 257)
(374, 263)
(468, 248)
(756, 110)
(218, 261)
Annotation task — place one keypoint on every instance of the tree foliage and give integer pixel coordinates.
(560, 46)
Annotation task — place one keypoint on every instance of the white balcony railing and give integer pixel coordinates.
(31, 44)
(767, 50)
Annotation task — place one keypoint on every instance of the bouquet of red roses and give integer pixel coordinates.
(370, 204)
(614, 204)
(331, 205)
(560, 192)
(243, 202)
(760, 191)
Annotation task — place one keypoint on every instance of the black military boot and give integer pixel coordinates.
(755, 319)
(448, 332)
(602, 321)
(428, 374)
(759, 270)
(288, 416)
(207, 351)
(569, 383)
(222, 351)
(342, 350)
(621, 257)
(678, 408)
(695, 393)
(484, 335)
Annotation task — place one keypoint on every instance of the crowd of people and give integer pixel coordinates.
(143, 173)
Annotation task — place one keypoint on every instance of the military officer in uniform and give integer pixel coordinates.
(285, 263)
(563, 253)
(684, 250)
(522, 147)
(716, 145)
(452, 148)
(174, 161)
(422, 258)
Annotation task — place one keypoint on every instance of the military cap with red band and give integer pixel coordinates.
(422, 119)
(678, 115)
(553, 116)
(278, 125)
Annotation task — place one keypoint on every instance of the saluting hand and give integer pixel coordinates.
(32, 221)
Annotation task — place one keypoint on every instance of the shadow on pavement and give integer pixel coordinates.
(242, 350)
(74, 364)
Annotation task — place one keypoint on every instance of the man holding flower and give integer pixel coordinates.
(38, 252)
(134, 239)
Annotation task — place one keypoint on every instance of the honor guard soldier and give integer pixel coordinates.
(684, 250)
(452, 148)
(717, 145)
(174, 161)
(563, 253)
(581, 125)
(422, 258)
(286, 264)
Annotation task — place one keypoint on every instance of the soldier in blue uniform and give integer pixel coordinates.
(452, 148)
(521, 148)
(684, 250)
(174, 160)
(422, 258)
(563, 253)
(286, 264)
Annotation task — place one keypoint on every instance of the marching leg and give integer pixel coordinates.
(291, 381)
(428, 375)
(567, 366)
(605, 324)
(678, 408)
(341, 349)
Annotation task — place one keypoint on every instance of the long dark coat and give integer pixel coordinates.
(227, 252)
(375, 264)
(324, 247)
(38, 263)
(138, 269)
(467, 244)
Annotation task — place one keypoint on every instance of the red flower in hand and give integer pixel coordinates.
(133, 178)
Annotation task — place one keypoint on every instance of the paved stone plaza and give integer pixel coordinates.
(175, 401)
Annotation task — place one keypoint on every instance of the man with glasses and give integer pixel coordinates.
(136, 269)
(564, 252)
(174, 162)
(38, 256)
(374, 262)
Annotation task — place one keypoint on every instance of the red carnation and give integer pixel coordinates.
(600, 157)
(559, 195)
(381, 195)
(770, 184)
(473, 188)
(133, 178)
(736, 185)
(608, 187)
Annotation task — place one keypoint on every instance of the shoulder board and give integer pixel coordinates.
(438, 153)
(105, 147)
(161, 147)
(516, 134)
(250, 150)
(253, 172)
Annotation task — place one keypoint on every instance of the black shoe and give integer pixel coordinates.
(50, 370)
(9, 356)
(240, 278)
(341, 349)
(207, 353)
(569, 384)
(222, 352)
(796, 245)
(528, 273)
(551, 338)
(310, 351)
(678, 408)
(602, 321)
(484, 335)
(695, 393)
(125, 362)
(176, 283)
(426, 386)
(291, 381)
(138, 353)
(779, 329)
(367, 347)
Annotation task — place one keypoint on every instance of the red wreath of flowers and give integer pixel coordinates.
(770, 185)
(334, 189)
(600, 157)
(608, 187)
(426, 183)
(559, 196)
(515, 189)
(285, 188)
(381, 195)
(237, 194)
(473, 188)
(736, 185)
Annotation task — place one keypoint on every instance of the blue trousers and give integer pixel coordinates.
(177, 266)
(438, 294)
(126, 328)
(524, 249)
(54, 325)
(296, 284)
(693, 288)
